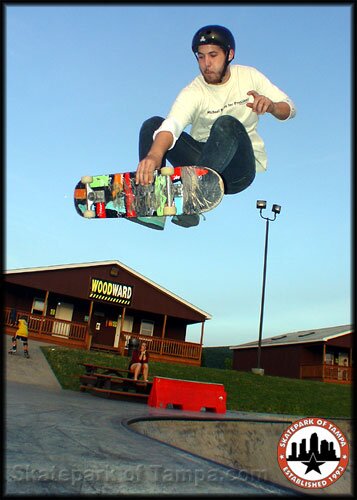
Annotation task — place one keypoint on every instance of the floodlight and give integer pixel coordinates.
(261, 204)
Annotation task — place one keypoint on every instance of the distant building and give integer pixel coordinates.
(102, 305)
(324, 354)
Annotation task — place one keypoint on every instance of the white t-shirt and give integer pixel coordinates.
(199, 104)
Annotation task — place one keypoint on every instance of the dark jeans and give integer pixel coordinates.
(228, 150)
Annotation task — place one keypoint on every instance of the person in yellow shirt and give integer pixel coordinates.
(22, 333)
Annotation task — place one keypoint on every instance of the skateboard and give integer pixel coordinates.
(175, 191)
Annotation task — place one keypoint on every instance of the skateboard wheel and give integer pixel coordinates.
(86, 179)
(169, 211)
(167, 171)
(89, 214)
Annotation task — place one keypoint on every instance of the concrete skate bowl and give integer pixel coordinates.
(249, 446)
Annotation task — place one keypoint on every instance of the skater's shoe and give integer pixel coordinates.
(26, 354)
(186, 220)
(12, 351)
(151, 222)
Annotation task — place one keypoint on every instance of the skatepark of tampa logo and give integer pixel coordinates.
(313, 453)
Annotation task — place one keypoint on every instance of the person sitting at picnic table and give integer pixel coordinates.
(139, 363)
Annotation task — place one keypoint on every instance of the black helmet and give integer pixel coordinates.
(213, 35)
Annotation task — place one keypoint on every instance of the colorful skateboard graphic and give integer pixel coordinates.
(175, 191)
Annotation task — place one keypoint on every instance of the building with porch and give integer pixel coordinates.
(324, 354)
(102, 305)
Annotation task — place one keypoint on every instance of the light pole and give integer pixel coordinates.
(261, 205)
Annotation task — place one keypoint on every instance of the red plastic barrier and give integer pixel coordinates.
(187, 395)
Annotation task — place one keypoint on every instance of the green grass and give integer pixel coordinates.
(245, 391)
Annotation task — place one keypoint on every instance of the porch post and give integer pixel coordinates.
(44, 311)
(89, 333)
(201, 339)
(163, 334)
(323, 361)
(121, 330)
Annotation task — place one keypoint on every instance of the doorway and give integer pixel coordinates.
(127, 327)
(63, 311)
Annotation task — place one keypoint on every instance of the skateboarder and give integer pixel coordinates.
(222, 105)
(22, 334)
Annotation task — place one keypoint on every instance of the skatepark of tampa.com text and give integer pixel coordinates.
(131, 474)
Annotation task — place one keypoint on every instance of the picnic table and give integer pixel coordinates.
(113, 382)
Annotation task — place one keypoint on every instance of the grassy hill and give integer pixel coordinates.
(245, 391)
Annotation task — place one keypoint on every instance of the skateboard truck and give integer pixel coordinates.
(86, 180)
(170, 208)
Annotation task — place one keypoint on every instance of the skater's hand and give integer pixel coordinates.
(146, 169)
(261, 104)
(153, 160)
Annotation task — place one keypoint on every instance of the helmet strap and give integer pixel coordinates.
(226, 64)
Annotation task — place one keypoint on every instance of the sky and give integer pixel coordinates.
(80, 81)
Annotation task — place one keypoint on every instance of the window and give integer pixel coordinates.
(38, 306)
(329, 358)
(147, 327)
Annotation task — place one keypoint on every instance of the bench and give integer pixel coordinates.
(87, 380)
(113, 382)
(112, 394)
(101, 380)
(90, 369)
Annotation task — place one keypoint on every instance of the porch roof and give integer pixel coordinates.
(110, 263)
(301, 337)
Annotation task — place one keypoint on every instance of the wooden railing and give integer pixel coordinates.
(44, 326)
(327, 373)
(75, 334)
(165, 348)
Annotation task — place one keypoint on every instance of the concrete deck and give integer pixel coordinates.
(70, 443)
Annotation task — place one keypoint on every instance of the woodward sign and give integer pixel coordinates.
(109, 291)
